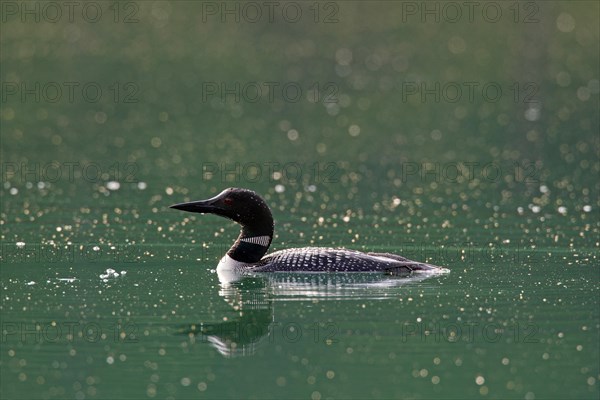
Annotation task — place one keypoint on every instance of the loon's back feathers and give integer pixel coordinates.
(248, 252)
(389, 255)
(320, 259)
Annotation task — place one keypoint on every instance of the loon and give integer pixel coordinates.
(248, 252)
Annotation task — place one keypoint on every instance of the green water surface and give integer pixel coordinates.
(390, 136)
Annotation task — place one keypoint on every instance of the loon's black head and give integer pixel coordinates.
(247, 209)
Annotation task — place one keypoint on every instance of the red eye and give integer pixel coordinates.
(227, 201)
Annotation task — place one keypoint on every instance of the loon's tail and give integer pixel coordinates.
(406, 266)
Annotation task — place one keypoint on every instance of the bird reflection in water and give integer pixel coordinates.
(254, 298)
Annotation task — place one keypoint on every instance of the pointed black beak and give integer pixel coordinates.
(202, 206)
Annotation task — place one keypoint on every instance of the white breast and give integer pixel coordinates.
(230, 270)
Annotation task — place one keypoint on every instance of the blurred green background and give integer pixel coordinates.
(398, 126)
(366, 59)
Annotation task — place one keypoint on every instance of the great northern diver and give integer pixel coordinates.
(248, 252)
